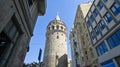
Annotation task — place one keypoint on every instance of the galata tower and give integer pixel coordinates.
(55, 53)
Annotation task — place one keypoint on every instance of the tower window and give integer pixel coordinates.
(61, 27)
(57, 37)
(57, 27)
(52, 27)
(49, 28)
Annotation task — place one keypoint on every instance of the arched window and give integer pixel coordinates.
(49, 28)
(57, 27)
(57, 37)
(52, 27)
(61, 27)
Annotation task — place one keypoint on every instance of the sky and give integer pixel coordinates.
(67, 11)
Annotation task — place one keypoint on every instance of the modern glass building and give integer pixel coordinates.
(103, 23)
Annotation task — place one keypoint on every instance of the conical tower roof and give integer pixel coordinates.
(57, 20)
(57, 17)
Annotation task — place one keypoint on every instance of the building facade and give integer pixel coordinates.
(17, 21)
(55, 54)
(82, 50)
(75, 61)
(103, 23)
(69, 63)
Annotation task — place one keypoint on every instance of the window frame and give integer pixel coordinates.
(108, 63)
(88, 23)
(101, 48)
(108, 17)
(57, 27)
(93, 35)
(102, 25)
(114, 39)
(97, 30)
(100, 5)
(115, 8)
(95, 12)
(92, 18)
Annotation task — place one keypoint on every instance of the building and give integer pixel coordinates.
(17, 21)
(75, 62)
(81, 47)
(103, 23)
(55, 54)
(34, 64)
(69, 63)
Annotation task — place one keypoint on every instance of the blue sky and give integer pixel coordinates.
(67, 11)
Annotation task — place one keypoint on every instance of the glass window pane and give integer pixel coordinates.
(95, 12)
(108, 17)
(111, 43)
(100, 5)
(109, 63)
(102, 25)
(93, 34)
(97, 30)
(117, 5)
(101, 49)
(118, 34)
(104, 47)
(114, 10)
(116, 40)
(98, 50)
(88, 23)
(92, 18)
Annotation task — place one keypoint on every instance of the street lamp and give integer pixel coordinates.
(39, 57)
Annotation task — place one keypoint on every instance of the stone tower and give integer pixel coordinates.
(55, 54)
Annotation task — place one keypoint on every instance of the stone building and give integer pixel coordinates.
(103, 23)
(69, 63)
(81, 47)
(75, 50)
(17, 21)
(55, 54)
